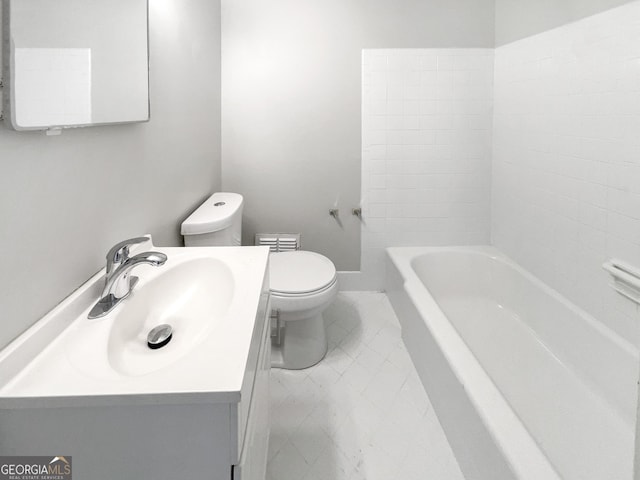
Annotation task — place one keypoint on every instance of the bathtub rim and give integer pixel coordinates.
(496, 254)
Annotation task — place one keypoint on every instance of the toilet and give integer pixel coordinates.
(303, 284)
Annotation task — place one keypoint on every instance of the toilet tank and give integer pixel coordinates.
(217, 222)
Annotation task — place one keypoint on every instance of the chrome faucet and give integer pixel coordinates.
(118, 283)
(117, 255)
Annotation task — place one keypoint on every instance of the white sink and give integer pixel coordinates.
(193, 297)
(210, 296)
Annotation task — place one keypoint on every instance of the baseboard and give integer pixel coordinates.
(357, 282)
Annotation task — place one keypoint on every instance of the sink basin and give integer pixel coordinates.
(210, 297)
(193, 297)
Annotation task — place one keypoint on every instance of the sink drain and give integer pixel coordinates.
(159, 336)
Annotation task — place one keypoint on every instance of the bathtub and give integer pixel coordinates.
(525, 384)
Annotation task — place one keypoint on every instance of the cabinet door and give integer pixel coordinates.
(253, 460)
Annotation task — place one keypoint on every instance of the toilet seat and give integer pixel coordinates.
(300, 273)
(305, 294)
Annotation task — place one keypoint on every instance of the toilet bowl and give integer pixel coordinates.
(303, 284)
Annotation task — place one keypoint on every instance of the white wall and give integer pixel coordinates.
(65, 200)
(566, 171)
(426, 160)
(291, 103)
(516, 19)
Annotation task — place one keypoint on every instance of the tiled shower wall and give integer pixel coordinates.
(566, 171)
(426, 166)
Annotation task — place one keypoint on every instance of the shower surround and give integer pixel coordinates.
(566, 158)
(532, 147)
(426, 160)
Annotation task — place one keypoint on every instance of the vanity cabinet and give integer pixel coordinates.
(253, 410)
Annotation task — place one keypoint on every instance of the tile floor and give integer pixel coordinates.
(362, 412)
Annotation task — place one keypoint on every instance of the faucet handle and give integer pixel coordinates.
(119, 253)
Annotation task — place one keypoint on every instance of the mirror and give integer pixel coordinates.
(75, 63)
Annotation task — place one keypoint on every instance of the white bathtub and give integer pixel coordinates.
(525, 384)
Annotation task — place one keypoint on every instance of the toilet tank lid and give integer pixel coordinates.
(216, 214)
